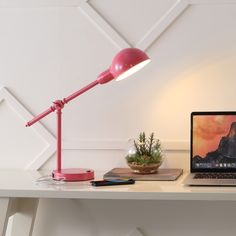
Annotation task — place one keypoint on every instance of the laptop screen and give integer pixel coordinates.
(213, 141)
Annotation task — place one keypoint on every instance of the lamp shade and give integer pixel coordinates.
(124, 64)
(127, 62)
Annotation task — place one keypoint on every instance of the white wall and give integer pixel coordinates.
(49, 49)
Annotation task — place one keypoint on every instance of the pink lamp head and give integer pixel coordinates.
(124, 64)
(127, 62)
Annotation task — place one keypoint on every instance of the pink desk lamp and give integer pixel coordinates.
(125, 63)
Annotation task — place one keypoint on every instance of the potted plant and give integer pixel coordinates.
(146, 155)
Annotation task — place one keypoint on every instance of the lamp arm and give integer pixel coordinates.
(40, 116)
(79, 92)
(59, 104)
(103, 78)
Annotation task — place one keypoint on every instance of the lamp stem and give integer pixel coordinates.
(68, 174)
(59, 128)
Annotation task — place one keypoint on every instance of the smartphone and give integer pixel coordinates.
(112, 182)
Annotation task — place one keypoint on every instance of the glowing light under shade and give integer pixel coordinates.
(132, 70)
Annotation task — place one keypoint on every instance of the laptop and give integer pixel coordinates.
(213, 149)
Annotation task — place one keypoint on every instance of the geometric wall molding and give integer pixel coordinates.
(162, 24)
(146, 41)
(50, 148)
(108, 31)
(169, 17)
(38, 128)
(154, 32)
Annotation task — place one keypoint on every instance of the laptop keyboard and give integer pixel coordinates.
(215, 176)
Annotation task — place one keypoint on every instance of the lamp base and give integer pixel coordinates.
(73, 174)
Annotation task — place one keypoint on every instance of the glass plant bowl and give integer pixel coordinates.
(145, 155)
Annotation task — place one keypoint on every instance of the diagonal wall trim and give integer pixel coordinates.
(169, 17)
(162, 24)
(110, 32)
(39, 129)
(103, 25)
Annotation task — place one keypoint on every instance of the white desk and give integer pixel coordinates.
(19, 195)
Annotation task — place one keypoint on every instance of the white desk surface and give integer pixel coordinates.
(20, 183)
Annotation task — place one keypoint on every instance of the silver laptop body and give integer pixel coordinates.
(213, 149)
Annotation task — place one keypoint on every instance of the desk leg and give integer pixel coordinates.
(23, 220)
(7, 208)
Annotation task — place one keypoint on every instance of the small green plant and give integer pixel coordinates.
(147, 150)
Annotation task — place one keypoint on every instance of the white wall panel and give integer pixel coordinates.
(50, 49)
(15, 156)
(15, 139)
(49, 52)
(130, 19)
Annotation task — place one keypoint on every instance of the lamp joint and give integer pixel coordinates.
(58, 105)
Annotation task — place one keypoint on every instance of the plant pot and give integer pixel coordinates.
(144, 168)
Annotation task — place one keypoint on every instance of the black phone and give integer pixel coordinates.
(112, 182)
